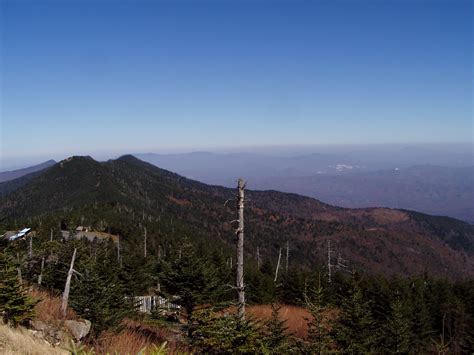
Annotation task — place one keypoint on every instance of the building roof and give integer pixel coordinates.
(10, 235)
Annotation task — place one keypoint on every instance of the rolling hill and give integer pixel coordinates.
(377, 240)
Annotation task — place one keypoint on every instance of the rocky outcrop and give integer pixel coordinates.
(49, 332)
(78, 328)
(56, 334)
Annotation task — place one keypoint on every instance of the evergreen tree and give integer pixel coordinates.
(277, 339)
(319, 339)
(99, 295)
(292, 288)
(227, 334)
(355, 330)
(421, 318)
(397, 329)
(189, 280)
(16, 306)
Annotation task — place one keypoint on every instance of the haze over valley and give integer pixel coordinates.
(432, 179)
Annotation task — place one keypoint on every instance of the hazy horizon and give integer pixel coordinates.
(363, 151)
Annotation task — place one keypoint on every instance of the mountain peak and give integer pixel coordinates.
(77, 158)
(128, 157)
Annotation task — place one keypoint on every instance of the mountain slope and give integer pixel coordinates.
(15, 174)
(376, 240)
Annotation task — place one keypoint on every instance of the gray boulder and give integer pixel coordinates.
(78, 328)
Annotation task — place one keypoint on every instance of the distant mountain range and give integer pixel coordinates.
(377, 240)
(343, 179)
(429, 189)
(12, 180)
(335, 179)
(14, 174)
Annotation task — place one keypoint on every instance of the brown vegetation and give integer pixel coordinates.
(181, 202)
(135, 337)
(295, 317)
(48, 310)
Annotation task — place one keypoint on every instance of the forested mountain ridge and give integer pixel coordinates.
(377, 240)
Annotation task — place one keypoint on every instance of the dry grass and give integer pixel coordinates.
(293, 315)
(48, 310)
(125, 342)
(135, 337)
(22, 341)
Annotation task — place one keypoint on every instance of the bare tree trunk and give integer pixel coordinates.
(258, 258)
(68, 285)
(144, 243)
(20, 278)
(329, 261)
(278, 266)
(119, 256)
(287, 254)
(18, 269)
(240, 251)
(40, 276)
(30, 248)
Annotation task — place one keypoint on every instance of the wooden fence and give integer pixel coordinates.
(146, 304)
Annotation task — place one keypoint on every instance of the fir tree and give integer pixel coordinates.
(355, 330)
(319, 338)
(190, 280)
(227, 334)
(397, 329)
(99, 295)
(277, 339)
(421, 318)
(16, 306)
(292, 288)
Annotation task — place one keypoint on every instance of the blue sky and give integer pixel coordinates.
(122, 76)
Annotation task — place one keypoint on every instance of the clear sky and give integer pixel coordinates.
(129, 76)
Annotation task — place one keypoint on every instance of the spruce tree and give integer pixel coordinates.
(98, 294)
(355, 330)
(15, 305)
(215, 333)
(421, 318)
(292, 288)
(189, 280)
(276, 339)
(397, 329)
(319, 339)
